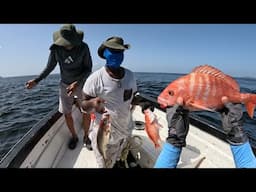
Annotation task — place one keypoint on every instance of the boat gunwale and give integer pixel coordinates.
(18, 153)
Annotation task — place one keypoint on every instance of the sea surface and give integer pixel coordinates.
(21, 108)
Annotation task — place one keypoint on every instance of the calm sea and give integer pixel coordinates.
(20, 108)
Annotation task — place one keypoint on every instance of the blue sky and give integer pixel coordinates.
(170, 48)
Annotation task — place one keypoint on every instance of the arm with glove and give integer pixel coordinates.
(232, 122)
(178, 126)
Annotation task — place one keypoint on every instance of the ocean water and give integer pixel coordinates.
(20, 108)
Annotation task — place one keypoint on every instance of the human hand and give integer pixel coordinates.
(232, 122)
(71, 88)
(178, 125)
(98, 104)
(30, 84)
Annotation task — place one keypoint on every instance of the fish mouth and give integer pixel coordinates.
(163, 102)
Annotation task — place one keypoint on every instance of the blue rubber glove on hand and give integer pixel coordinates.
(243, 156)
(232, 122)
(178, 126)
(169, 156)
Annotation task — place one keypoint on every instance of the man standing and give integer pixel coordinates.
(74, 58)
(111, 89)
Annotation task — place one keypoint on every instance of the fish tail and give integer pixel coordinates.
(250, 103)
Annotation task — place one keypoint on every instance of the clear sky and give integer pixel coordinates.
(170, 48)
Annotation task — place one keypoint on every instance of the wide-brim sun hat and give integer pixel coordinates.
(116, 43)
(68, 35)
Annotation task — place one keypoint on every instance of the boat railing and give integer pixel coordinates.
(15, 156)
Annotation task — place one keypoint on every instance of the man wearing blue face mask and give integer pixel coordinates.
(111, 89)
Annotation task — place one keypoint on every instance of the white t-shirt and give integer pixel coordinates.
(117, 93)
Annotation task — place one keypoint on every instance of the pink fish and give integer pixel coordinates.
(205, 88)
(152, 127)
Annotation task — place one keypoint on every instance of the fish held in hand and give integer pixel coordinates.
(205, 89)
(152, 127)
(103, 134)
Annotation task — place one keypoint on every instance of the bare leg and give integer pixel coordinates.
(86, 123)
(70, 124)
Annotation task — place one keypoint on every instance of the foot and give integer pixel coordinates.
(72, 143)
(88, 143)
(119, 164)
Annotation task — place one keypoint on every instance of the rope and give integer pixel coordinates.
(129, 147)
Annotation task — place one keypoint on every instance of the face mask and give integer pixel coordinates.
(113, 58)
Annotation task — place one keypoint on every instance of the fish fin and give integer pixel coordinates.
(250, 108)
(157, 144)
(180, 101)
(194, 105)
(250, 102)
(158, 125)
(210, 70)
(216, 73)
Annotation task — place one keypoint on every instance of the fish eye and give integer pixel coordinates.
(171, 93)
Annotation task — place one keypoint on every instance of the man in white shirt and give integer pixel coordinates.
(111, 89)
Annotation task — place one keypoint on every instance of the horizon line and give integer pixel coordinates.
(133, 71)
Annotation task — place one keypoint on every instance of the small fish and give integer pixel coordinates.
(204, 89)
(103, 134)
(152, 127)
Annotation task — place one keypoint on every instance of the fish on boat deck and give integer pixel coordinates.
(205, 89)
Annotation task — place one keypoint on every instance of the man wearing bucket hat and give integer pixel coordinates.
(111, 89)
(74, 58)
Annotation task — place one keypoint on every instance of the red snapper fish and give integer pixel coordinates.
(152, 127)
(205, 88)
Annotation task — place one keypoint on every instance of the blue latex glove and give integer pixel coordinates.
(169, 156)
(243, 156)
(232, 122)
(178, 126)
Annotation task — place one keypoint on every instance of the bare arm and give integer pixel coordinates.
(48, 69)
(87, 61)
(90, 104)
(52, 62)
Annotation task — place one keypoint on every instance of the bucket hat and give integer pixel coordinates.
(68, 35)
(116, 43)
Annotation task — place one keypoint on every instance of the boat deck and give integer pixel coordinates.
(80, 157)
(197, 154)
(202, 151)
